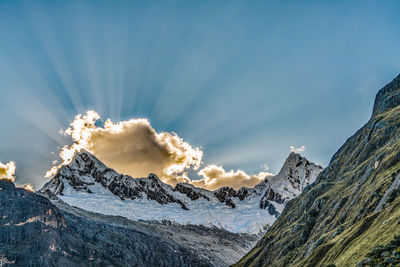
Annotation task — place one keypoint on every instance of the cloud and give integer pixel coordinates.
(28, 187)
(7, 171)
(265, 167)
(132, 147)
(215, 177)
(297, 150)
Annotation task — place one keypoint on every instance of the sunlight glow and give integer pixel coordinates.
(7, 171)
(135, 147)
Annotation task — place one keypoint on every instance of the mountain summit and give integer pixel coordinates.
(88, 184)
(388, 97)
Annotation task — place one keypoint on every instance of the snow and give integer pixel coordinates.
(245, 218)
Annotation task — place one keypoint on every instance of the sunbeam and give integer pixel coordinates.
(213, 73)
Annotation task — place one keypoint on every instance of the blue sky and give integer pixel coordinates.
(243, 80)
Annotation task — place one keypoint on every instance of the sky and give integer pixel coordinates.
(242, 81)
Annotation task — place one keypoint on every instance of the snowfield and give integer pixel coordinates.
(88, 184)
(245, 218)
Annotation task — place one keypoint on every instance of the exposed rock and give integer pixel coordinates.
(189, 191)
(225, 195)
(34, 232)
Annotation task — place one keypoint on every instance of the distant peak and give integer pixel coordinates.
(295, 160)
(388, 97)
(84, 155)
(294, 155)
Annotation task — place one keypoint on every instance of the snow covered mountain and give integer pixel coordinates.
(88, 184)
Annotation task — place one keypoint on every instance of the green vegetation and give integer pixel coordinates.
(388, 255)
(335, 222)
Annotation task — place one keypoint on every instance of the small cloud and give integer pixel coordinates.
(7, 171)
(215, 177)
(265, 167)
(297, 150)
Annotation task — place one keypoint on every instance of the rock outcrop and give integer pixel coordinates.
(35, 232)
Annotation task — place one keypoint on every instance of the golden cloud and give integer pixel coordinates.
(7, 171)
(27, 187)
(132, 147)
(215, 177)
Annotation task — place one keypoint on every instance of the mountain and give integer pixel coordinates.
(88, 184)
(350, 215)
(35, 232)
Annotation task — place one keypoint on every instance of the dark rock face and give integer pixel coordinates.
(242, 193)
(189, 191)
(271, 195)
(30, 226)
(270, 207)
(34, 232)
(225, 195)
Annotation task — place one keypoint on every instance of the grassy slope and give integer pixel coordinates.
(334, 221)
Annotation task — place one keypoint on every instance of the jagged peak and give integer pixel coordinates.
(388, 97)
(84, 155)
(297, 171)
(87, 157)
(295, 160)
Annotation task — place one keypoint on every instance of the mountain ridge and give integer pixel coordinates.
(88, 177)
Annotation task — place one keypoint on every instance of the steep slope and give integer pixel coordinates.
(34, 232)
(88, 184)
(351, 208)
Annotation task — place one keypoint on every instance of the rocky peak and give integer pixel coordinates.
(298, 171)
(85, 171)
(190, 191)
(388, 97)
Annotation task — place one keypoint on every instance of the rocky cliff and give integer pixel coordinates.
(352, 211)
(34, 232)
